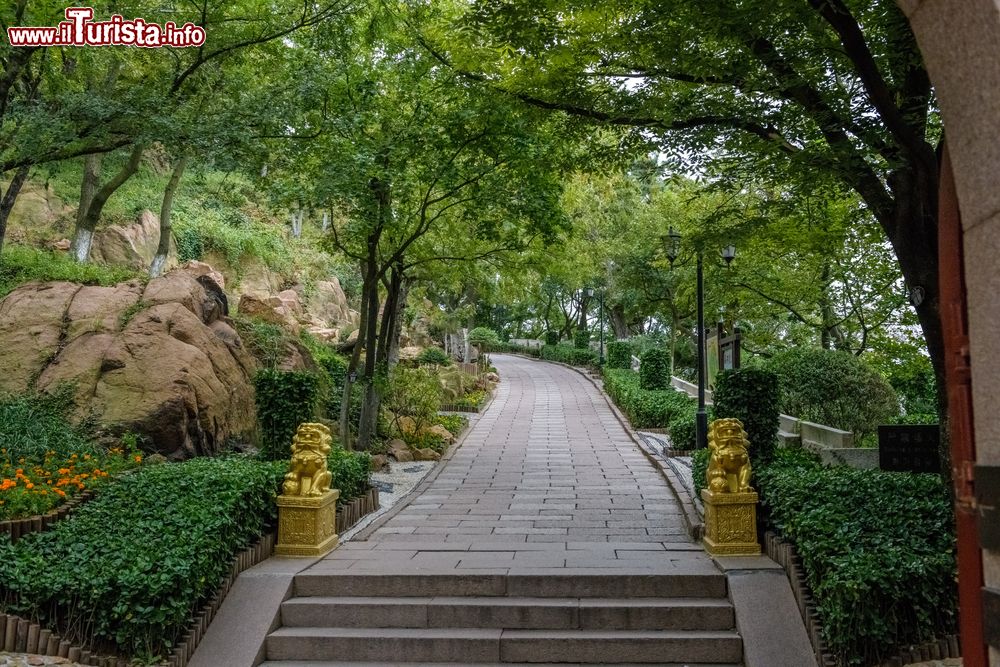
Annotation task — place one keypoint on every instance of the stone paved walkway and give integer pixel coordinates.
(547, 479)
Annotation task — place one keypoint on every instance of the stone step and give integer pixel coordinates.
(469, 646)
(325, 663)
(620, 584)
(510, 612)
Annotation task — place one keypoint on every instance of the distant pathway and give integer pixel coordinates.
(546, 480)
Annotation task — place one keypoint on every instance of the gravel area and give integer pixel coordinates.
(392, 487)
(25, 660)
(681, 465)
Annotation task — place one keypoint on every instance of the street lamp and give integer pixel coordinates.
(672, 244)
(600, 295)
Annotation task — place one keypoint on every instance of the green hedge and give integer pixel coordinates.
(581, 339)
(284, 400)
(569, 355)
(132, 565)
(350, 472)
(877, 549)
(750, 395)
(654, 369)
(833, 388)
(699, 468)
(682, 426)
(551, 337)
(644, 409)
(619, 354)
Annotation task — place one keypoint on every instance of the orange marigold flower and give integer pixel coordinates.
(29, 485)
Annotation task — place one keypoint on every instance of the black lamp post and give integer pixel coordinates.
(600, 296)
(673, 245)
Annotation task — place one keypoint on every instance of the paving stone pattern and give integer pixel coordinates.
(547, 478)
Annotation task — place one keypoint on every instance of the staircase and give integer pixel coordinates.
(336, 618)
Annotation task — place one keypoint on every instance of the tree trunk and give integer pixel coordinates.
(87, 218)
(326, 221)
(352, 369)
(397, 323)
(618, 323)
(297, 222)
(163, 246)
(7, 202)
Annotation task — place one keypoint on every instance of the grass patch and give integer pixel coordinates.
(20, 265)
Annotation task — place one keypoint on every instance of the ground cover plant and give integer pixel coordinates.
(877, 549)
(45, 459)
(127, 569)
(619, 354)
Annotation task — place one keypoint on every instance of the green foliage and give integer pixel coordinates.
(877, 549)
(350, 472)
(915, 418)
(414, 393)
(20, 265)
(569, 355)
(131, 565)
(619, 354)
(833, 388)
(581, 339)
(750, 395)
(206, 228)
(433, 356)
(32, 425)
(484, 337)
(654, 369)
(333, 373)
(644, 409)
(284, 400)
(268, 343)
(551, 337)
(699, 468)
(473, 399)
(454, 423)
(682, 427)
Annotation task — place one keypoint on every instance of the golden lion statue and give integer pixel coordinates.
(729, 467)
(308, 475)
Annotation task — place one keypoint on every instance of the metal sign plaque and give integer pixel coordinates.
(909, 448)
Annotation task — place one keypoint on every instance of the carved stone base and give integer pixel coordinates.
(307, 524)
(730, 523)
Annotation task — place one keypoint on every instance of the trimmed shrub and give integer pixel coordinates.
(581, 339)
(569, 355)
(682, 427)
(644, 409)
(654, 369)
(619, 354)
(129, 566)
(750, 395)
(484, 337)
(833, 388)
(284, 400)
(433, 356)
(877, 549)
(551, 337)
(350, 472)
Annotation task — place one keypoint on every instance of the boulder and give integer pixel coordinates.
(328, 303)
(131, 245)
(426, 454)
(400, 451)
(492, 377)
(265, 310)
(324, 334)
(441, 432)
(160, 361)
(288, 301)
(198, 269)
(379, 462)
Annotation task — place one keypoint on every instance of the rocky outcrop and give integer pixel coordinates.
(160, 360)
(131, 245)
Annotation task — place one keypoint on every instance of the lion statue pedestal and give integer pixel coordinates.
(307, 511)
(730, 503)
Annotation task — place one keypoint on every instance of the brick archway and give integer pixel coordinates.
(960, 42)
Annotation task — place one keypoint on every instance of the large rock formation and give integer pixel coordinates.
(131, 245)
(162, 360)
